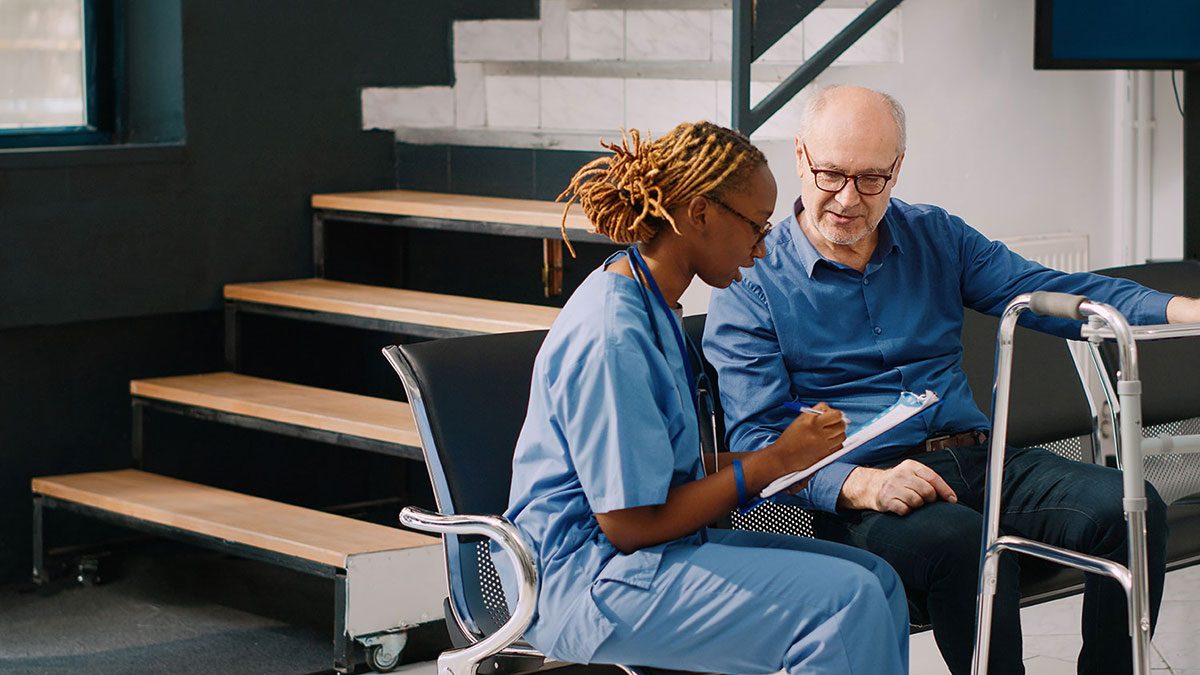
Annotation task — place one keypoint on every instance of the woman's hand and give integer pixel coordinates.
(693, 505)
(808, 439)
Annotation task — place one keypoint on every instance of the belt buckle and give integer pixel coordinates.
(976, 437)
(934, 444)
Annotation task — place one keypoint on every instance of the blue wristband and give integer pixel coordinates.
(739, 477)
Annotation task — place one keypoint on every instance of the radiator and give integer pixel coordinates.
(1066, 251)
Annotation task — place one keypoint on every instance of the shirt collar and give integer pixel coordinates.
(809, 255)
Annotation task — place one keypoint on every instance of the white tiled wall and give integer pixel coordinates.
(596, 35)
(554, 30)
(414, 107)
(790, 47)
(582, 103)
(497, 39)
(668, 35)
(513, 96)
(469, 95)
(722, 34)
(512, 102)
(658, 105)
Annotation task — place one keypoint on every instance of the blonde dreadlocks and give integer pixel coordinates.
(628, 195)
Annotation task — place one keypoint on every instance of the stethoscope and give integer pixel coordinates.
(698, 383)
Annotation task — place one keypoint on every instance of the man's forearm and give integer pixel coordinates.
(1181, 309)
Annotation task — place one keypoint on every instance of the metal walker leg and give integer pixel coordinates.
(1134, 578)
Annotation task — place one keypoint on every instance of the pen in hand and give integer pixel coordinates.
(798, 407)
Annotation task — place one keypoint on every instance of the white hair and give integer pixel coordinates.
(817, 102)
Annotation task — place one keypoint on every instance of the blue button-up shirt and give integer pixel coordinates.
(801, 327)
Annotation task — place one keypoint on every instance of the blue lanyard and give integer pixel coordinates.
(640, 269)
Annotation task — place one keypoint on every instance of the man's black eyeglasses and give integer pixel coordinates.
(867, 184)
(760, 230)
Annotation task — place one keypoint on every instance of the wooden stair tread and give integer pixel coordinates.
(395, 304)
(335, 411)
(530, 212)
(296, 531)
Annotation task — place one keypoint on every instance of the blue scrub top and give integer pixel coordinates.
(611, 425)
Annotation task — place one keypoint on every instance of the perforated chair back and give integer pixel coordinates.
(1170, 396)
(1049, 406)
(469, 396)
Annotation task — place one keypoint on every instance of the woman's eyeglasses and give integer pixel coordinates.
(760, 230)
(867, 184)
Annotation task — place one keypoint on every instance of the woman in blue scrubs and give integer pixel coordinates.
(608, 483)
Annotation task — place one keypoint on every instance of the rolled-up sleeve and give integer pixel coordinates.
(824, 488)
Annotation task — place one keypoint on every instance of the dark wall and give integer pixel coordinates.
(112, 260)
(503, 268)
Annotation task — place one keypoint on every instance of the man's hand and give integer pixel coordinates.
(1183, 310)
(900, 489)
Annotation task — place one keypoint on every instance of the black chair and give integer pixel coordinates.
(1170, 405)
(1170, 400)
(469, 397)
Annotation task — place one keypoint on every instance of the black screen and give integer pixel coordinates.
(1117, 34)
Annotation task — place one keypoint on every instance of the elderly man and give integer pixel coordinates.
(861, 297)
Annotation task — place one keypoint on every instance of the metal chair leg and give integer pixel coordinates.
(343, 646)
(39, 542)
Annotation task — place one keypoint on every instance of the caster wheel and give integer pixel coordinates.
(88, 572)
(383, 659)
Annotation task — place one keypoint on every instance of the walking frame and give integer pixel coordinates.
(1104, 322)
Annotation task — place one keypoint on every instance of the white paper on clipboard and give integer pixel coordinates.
(906, 406)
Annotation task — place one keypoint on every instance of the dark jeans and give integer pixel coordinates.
(935, 549)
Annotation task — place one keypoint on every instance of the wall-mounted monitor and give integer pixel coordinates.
(1117, 34)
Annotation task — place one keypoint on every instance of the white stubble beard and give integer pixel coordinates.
(830, 234)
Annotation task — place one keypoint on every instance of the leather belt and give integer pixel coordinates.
(961, 439)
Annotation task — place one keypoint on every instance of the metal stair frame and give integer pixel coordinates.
(758, 24)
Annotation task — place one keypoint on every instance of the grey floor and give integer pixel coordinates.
(174, 609)
(1051, 634)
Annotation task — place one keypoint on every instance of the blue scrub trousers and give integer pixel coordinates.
(753, 602)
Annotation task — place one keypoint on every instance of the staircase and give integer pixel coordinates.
(386, 580)
(588, 68)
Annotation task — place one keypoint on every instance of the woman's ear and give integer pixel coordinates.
(698, 211)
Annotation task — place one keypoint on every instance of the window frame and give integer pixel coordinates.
(102, 41)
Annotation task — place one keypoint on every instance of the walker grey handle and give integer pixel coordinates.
(1063, 305)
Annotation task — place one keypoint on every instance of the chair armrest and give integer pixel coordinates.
(520, 554)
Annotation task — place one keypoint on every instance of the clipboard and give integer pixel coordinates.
(907, 405)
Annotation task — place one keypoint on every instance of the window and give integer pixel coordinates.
(56, 74)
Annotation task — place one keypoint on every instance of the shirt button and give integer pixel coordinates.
(866, 281)
(878, 330)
